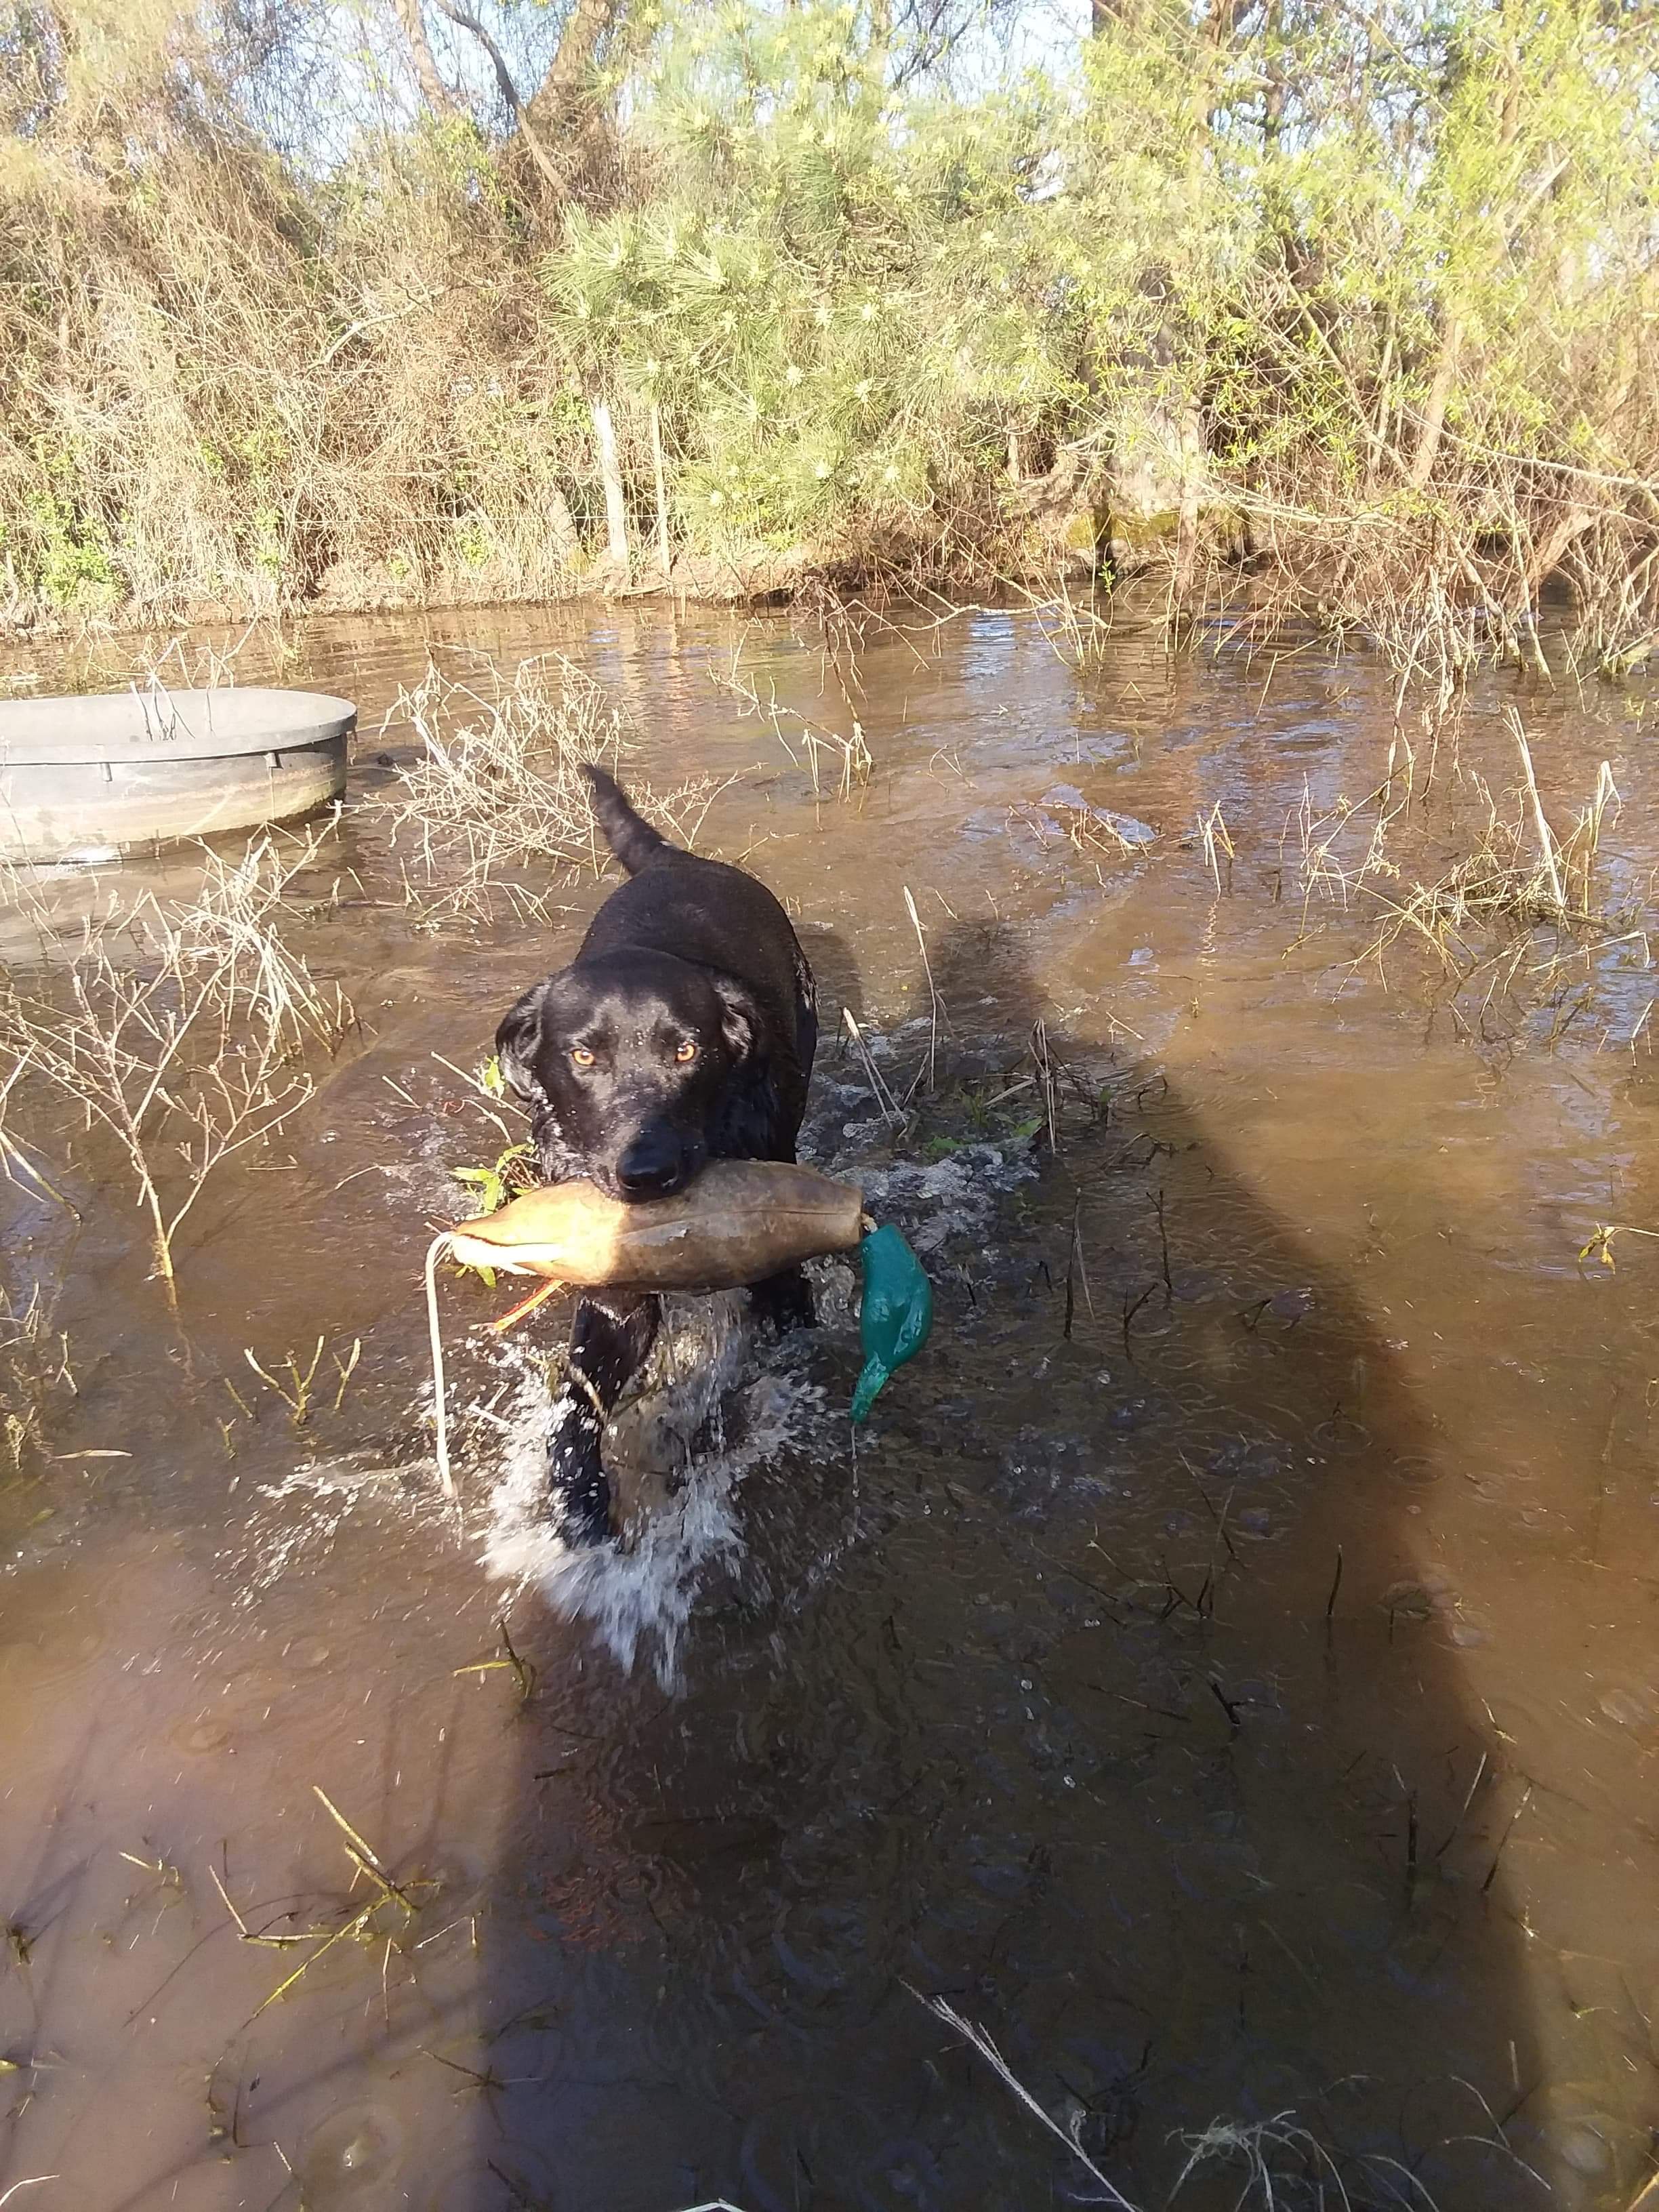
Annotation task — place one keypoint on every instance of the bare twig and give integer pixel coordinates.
(979, 2041)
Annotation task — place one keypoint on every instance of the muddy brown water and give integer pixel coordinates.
(1050, 1700)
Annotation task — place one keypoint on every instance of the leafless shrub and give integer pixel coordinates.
(179, 1030)
(498, 794)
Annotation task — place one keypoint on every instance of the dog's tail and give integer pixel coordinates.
(633, 840)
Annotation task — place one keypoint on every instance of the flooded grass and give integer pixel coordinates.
(493, 816)
(387, 1916)
(1504, 908)
(1518, 872)
(498, 786)
(179, 1030)
(837, 763)
(35, 1369)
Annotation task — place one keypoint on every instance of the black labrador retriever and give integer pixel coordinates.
(683, 1031)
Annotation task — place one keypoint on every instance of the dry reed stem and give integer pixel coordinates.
(979, 2041)
(1213, 835)
(1546, 846)
(935, 1003)
(886, 1104)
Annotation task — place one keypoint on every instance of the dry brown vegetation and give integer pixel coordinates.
(179, 1033)
(836, 762)
(498, 791)
(1477, 878)
(226, 387)
(1334, 313)
(493, 813)
(35, 1370)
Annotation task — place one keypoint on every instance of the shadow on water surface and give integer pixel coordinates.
(1051, 1702)
(1085, 1732)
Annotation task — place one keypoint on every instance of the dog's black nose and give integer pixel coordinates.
(653, 1165)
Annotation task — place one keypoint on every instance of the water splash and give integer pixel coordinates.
(707, 1418)
(715, 1405)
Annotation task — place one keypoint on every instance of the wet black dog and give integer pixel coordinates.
(683, 1031)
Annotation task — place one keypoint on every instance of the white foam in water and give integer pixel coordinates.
(639, 1600)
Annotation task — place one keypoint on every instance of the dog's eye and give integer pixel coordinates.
(686, 1052)
(582, 1056)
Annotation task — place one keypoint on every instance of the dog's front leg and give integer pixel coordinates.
(782, 1302)
(610, 1339)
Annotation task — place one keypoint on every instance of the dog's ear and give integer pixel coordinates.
(518, 1040)
(747, 1118)
(743, 1021)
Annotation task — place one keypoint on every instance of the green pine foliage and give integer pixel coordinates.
(1369, 297)
(838, 308)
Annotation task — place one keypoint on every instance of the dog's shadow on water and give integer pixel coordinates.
(1125, 1720)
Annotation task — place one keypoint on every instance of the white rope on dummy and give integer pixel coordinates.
(435, 1252)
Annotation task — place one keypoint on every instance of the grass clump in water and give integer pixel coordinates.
(1476, 894)
(495, 806)
(180, 1031)
(496, 788)
(34, 1365)
(385, 1918)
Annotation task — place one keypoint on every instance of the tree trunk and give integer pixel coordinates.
(1434, 407)
(616, 512)
(1546, 558)
(435, 93)
(552, 110)
(665, 552)
(1193, 458)
(467, 17)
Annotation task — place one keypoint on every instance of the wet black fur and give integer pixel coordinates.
(687, 953)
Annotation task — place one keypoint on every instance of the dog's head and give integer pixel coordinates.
(631, 1066)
